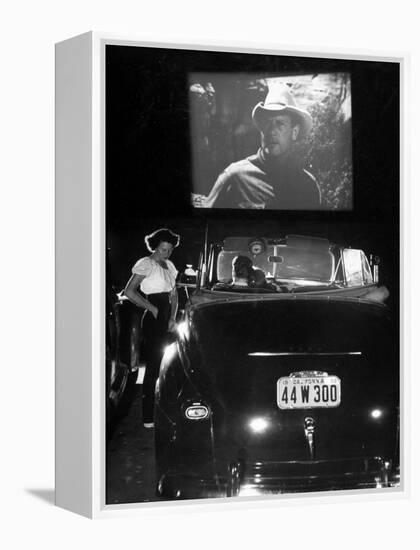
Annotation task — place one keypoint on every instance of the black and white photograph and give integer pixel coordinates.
(279, 143)
(252, 275)
(210, 248)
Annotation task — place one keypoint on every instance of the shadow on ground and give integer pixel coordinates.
(47, 495)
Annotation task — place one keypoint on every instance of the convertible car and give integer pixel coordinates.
(293, 387)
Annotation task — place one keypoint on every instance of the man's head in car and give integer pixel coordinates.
(241, 270)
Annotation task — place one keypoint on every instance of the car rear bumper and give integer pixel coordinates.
(321, 475)
(261, 478)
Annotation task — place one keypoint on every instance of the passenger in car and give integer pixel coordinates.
(246, 278)
(258, 281)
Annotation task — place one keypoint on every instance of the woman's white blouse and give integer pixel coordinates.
(157, 279)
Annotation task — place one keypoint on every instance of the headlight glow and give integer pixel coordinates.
(169, 352)
(249, 491)
(376, 413)
(258, 425)
(182, 329)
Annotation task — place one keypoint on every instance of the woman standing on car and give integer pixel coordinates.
(152, 287)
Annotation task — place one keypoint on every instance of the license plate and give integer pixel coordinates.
(308, 393)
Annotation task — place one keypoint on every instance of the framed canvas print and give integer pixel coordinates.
(228, 275)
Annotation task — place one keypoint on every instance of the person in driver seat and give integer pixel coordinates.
(242, 271)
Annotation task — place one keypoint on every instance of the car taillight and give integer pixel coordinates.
(197, 411)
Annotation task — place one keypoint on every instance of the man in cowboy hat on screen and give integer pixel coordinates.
(273, 177)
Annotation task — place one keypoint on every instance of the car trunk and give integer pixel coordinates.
(298, 380)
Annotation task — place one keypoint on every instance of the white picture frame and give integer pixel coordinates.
(80, 277)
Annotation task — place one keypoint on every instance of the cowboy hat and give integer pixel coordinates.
(280, 101)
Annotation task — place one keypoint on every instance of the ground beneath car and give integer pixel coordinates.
(130, 461)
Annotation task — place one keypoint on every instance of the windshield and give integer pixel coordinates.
(282, 263)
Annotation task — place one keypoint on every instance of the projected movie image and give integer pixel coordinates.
(275, 143)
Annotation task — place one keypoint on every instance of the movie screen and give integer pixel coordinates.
(276, 143)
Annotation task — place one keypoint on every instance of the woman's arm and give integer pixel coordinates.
(174, 308)
(135, 297)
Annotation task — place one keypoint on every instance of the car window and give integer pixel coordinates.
(356, 267)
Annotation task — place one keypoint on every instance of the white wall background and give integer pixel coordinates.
(28, 33)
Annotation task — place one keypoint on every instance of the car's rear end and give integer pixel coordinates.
(301, 394)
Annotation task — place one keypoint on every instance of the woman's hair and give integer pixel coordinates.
(162, 235)
(257, 278)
